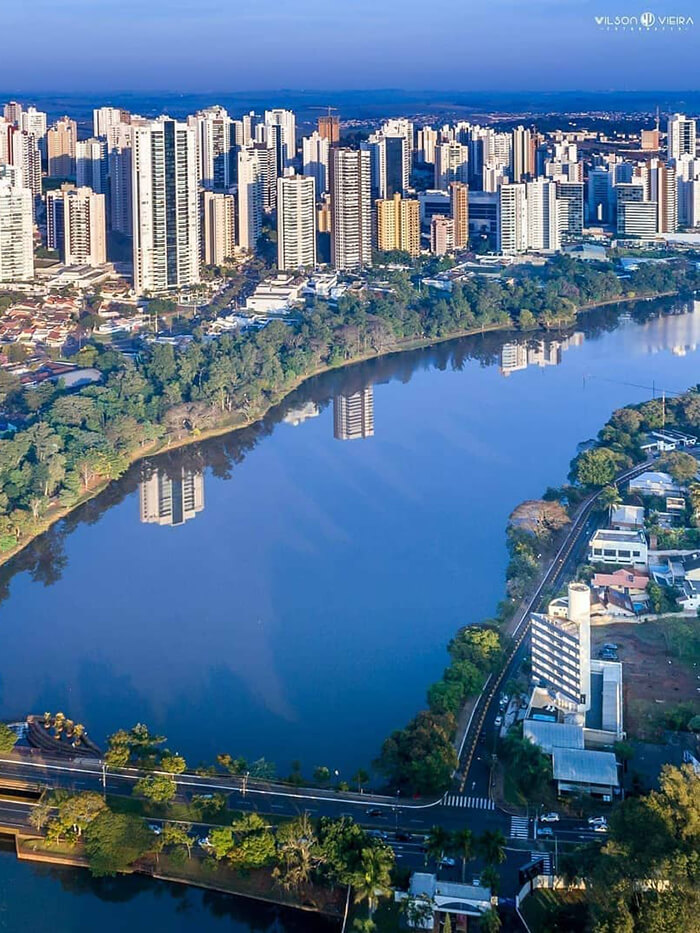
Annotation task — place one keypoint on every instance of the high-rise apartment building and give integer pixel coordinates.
(252, 180)
(33, 121)
(523, 155)
(75, 224)
(351, 207)
(296, 223)
(165, 206)
(103, 118)
(427, 140)
(398, 225)
(390, 164)
(451, 164)
(218, 227)
(442, 235)
(171, 498)
(561, 651)
(91, 167)
(281, 135)
(119, 157)
(215, 150)
(25, 155)
(570, 206)
(12, 111)
(314, 156)
(542, 216)
(16, 231)
(512, 219)
(329, 128)
(61, 139)
(681, 136)
(459, 213)
(353, 415)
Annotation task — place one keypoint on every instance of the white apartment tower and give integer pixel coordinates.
(219, 227)
(315, 151)
(252, 179)
(542, 216)
(91, 165)
(75, 223)
(296, 223)
(280, 132)
(451, 164)
(351, 209)
(165, 206)
(353, 415)
(16, 232)
(214, 129)
(681, 136)
(512, 222)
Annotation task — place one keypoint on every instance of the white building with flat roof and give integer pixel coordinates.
(610, 546)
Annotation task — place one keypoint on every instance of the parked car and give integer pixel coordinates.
(610, 646)
(155, 828)
(600, 828)
(447, 862)
(498, 722)
(204, 843)
(593, 820)
(549, 817)
(374, 812)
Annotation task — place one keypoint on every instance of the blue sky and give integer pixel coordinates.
(197, 45)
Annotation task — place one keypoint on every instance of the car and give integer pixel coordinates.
(447, 862)
(377, 834)
(600, 828)
(498, 721)
(204, 843)
(549, 818)
(545, 831)
(610, 646)
(374, 812)
(592, 820)
(155, 828)
(403, 837)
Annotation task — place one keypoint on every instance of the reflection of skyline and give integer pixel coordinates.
(353, 415)
(517, 355)
(166, 499)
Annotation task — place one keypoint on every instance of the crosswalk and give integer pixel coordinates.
(519, 827)
(476, 803)
(546, 858)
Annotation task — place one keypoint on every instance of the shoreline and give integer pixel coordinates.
(232, 425)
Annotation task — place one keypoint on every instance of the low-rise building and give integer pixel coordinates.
(428, 899)
(608, 546)
(627, 517)
(577, 771)
(653, 483)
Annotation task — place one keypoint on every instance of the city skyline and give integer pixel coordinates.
(315, 46)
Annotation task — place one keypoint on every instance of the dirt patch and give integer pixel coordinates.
(654, 680)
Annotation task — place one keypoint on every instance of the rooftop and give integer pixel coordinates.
(551, 735)
(585, 767)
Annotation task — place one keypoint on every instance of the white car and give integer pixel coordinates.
(597, 820)
(498, 722)
(204, 843)
(600, 828)
(155, 828)
(549, 818)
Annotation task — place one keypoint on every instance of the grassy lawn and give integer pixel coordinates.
(546, 910)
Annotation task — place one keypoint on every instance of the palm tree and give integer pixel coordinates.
(610, 498)
(463, 843)
(438, 841)
(491, 879)
(373, 880)
(490, 922)
(491, 844)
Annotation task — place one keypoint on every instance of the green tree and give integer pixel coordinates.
(299, 853)
(373, 880)
(8, 739)
(176, 835)
(114, 841)
(360, 777)
(174, 764)
(489, 921)
(463, 844)
(491, 845)
(597, 467)
(156, 787)
(438, 842)
(682, 467)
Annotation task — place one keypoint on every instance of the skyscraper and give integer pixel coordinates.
(459, 212)
(16, 231)
(390, 164)
(119, 178)
(512, 219)
(281, 133)
(171, 499)
(296, 223)
(542, 216)
(91, 166)
(26, 157)
(681, 136)
(570, 206)
(353, 415)
(219, 227)
(329, 128)
(105, 117)
(351, 207)
(315, 154)
(252, 177)
(523, 155)
(214, 129)
(398, 225)
(12, 112)
(61, 139)
(442, 235)
(451, 164)
(33, 121)
(165, 206)
(75, 223)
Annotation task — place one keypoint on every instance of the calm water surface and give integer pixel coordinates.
(304, 609)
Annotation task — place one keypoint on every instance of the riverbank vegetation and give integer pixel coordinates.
(68, 444)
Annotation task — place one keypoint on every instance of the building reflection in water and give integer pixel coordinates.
(353, 415)
(519, 354)
(171, 498)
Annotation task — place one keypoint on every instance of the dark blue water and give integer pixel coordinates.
(302, 612)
